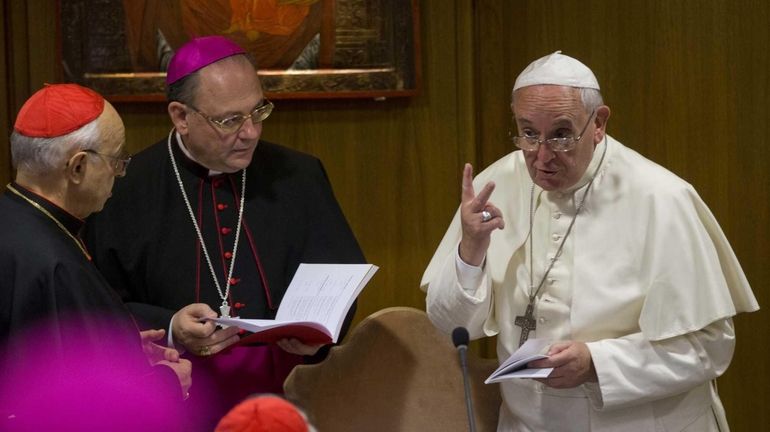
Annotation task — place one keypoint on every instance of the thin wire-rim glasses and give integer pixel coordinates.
(235, 122)
(119, 164)
(562, 144)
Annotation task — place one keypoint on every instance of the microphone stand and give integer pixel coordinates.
(468, 404)
(460, 339)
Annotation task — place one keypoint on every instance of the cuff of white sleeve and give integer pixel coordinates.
(170, 337)
(469, 276)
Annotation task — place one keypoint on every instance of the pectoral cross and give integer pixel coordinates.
(224, 310)
(526, 322)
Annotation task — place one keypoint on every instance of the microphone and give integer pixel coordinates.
(460, 340)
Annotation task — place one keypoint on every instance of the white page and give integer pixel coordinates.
(531, 350)
(257, 325)
(521, 373)
(323, 293)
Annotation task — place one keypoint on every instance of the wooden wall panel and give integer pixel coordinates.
(688, 84)
(28, 60)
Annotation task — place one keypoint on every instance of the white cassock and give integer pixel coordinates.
(646, 278)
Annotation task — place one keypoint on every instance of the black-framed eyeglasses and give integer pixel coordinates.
(119, 164)
(233, 123)
(560, 144)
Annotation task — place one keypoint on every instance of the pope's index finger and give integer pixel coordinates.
(468, 193)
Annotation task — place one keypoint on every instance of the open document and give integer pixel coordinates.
(515, 366)
(314, 306)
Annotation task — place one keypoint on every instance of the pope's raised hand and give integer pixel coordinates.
(479, 218)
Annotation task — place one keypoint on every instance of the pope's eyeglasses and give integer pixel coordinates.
(561, 144)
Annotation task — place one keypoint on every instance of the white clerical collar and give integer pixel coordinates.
(186, 152)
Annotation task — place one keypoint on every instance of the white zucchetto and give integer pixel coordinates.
(557, 69)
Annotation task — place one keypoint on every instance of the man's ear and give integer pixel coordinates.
(178, 113)
(75, 171)
(602, 116)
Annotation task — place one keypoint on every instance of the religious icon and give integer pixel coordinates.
(121, 47)
(275, 32)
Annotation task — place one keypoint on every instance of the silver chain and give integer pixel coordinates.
(222, 295)
(533, 295)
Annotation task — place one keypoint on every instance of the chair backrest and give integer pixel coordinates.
(394, 372)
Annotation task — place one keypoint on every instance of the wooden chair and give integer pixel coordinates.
(394, 372)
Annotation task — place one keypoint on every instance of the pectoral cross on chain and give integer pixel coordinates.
(526, 322)
(224, 310)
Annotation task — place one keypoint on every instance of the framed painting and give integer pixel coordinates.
(304, 48)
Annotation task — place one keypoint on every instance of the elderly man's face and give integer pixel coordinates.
(226, 88)
(549, 111)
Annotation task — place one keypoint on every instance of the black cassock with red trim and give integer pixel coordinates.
(145, 244)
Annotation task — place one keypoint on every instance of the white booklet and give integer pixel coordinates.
(314, 306)
(515, 366)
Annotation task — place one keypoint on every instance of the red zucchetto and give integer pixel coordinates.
(263, 414)
(58, 109)
(199, 53)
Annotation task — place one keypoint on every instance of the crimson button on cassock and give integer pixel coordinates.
(228, 255)
(225, 230)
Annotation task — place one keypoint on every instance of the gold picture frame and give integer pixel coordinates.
(337, 49)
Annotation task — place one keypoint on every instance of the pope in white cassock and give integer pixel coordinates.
(610, 256)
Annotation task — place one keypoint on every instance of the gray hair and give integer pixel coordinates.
(185, 89)
(38, 156)
(591, 98)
